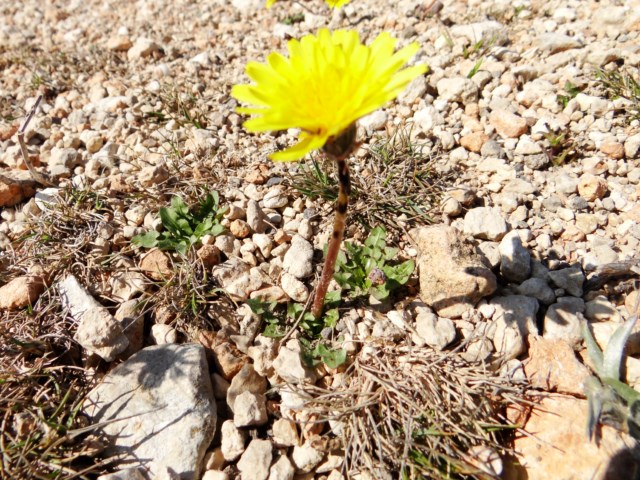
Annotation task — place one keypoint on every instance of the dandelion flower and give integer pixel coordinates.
(327, 83)
(331, 3)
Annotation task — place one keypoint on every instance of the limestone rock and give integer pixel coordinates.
(515, 259)
(256, 460)
(15, 186)
(250, 410)
(553, 366)
(21, 292)
(486, 223)
(247, 380)
(452, 277)
(291, 367)
(563, 322)
(570, 279)
(305, 457)
(507, 124)
(435, 331)
(158, 409)
(98, 332)
(298, 261)
(560, 448)
(514, 320)
(232, 443)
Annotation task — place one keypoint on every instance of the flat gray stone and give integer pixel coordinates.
(570, 279)
(158, 410)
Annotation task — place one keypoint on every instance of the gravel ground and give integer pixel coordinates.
(509, 173)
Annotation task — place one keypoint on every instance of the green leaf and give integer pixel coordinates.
(614, 351)
(182, 247)
(216, 230)
(146, 240)
(390, 253)
(593, 350)
(628, 394)
(400, 273)
(331, 317)
(179, 207)
(332, 297)
(376, 238)
(203, 228)
(380, 292)
(169, 219)
(273, 330)
(331, 358)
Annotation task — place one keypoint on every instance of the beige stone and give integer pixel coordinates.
(157, 265)
(556, 445)
(553, 366)
(21, 292)
(507, 124)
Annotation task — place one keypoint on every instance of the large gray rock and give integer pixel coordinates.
(514, 320)
(515, 259)
(98, 332)
(158, 410)
(452, 276)
(563, 322)
(570, 279)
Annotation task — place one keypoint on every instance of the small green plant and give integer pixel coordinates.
(622, 85)
(571, 91)
(184, 108)
(561, 148)
(331, 357)
(313, 349)
(611, 401)
(184, 226)
(475, 68)
(364, 269)
(267, 310)
(292, 19)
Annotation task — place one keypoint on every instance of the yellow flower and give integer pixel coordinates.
(328, 82)
(331, 3)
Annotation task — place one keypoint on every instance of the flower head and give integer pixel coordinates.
(331, 3)
(327, 83)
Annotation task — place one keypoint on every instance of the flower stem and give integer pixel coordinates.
(339, 222)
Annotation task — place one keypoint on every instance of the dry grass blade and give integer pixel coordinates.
(394, 182)
(409, 412)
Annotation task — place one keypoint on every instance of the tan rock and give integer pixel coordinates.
(157, 265)
(210, 255)
(452, 276)
(557, 445)
(553, 366)
(7, 130)
(15, 186)
(119, 43)
(228, 359)
(591, 187)
(239, 228)
(507, 124)
(632, 303)
(21, 292)
(474, 141)
(613, 149)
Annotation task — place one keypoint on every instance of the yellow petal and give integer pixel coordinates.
(307, 144)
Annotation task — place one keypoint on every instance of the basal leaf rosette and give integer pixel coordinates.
(327, 83)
